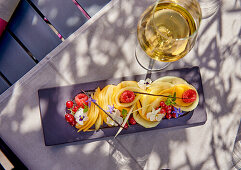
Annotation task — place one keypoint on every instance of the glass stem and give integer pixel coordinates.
(150, 67)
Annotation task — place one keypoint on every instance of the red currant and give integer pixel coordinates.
(132, 121)
(168, 116)
(172, 108)
(169, 107)
(75, 109)
(174, 115)
(163, 111)
(81, 100)
(168, 110)
(162, 104)
(69, 104)
(127, 96)
(70, 119)
(126, 126)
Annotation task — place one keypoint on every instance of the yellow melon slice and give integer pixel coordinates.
(170, 79)
(94, 112)
(92, 116)
(118, 94)
(143, 122)
(186, 106)
(124, 84)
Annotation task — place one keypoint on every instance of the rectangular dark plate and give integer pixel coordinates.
(57, 131)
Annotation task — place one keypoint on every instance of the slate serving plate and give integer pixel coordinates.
(57, 131)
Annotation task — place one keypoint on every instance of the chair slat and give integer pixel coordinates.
(32, 31)
(63, 15)
(92, 6)
(14, 61)
(3, 85)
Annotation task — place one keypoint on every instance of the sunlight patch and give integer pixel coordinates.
(112, 17)
(30, 121)
(153, 161)
(99, 58)
(35, 20)
(14, 126)
(90, 147)
(72, 21)
(71, 149)
(53, 13)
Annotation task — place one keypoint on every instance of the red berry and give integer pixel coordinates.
(69, 104)
(70, 119)
(174, 115)
(132, 121)
(169, 111)
(126, 126)
(168, 116)
(75, 109)
(127, 96)
(162, 104)
(189, 96)
(81, 100)
(169, 107)
(163, 111)
(172, 108)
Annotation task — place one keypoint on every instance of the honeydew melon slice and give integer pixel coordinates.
(170, 79)
(154, 104)
(124, 84)
(146, 100)
(143, 122)
(157, 87)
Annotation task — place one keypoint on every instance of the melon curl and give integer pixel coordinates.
(125, 105)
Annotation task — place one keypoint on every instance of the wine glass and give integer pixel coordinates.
(166, 32)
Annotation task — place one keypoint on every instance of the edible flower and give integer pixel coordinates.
(178, 112)
(89, 101)
(81, 116)
(143, 84)
(110, 108)
(115, 114)
(154, 116)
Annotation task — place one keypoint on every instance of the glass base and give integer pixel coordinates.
(148, 63)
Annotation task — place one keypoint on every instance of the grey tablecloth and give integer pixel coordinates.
(104, 48)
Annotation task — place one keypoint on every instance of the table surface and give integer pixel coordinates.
(103, 48)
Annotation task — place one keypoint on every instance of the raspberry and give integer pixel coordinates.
(189, 96)
(81, 100)
(127, 96)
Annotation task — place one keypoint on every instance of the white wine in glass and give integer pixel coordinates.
(167, 30)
